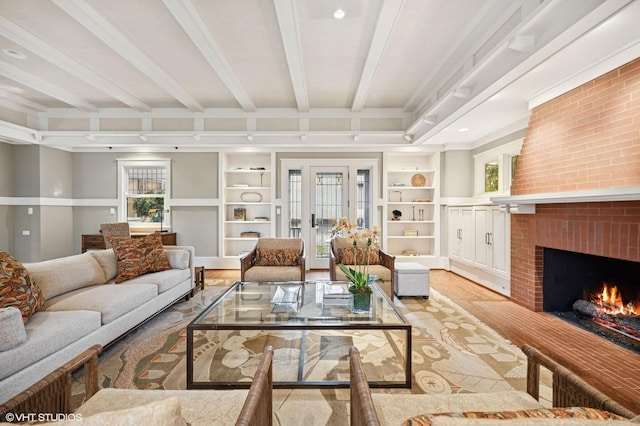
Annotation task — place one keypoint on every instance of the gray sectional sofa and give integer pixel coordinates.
(83, 307)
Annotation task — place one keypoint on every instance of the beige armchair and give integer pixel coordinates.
(114, 229)
(274, 259)
(382, 268)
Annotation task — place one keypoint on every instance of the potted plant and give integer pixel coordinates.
(365, 243)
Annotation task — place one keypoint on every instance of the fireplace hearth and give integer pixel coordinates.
(599, 294)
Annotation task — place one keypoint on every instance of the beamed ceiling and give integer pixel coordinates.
(206, 74)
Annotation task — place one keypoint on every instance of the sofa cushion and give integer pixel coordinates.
(165, 280)
(139, 256)
(178, 258)
(12, 331)
(277, 257)
(349, 256)
(377, 270)
(583, 413)
(17, 287)
(47, 332)
(164, 412)
(58, 276)
(273, 273)
(111, 300)
(108, 262)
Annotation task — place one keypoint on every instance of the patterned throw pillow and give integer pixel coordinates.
(276, 257)
(139, 256)
(347, 256)
(584, 413)
(17, 289)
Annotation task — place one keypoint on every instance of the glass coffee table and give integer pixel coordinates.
(310, 326)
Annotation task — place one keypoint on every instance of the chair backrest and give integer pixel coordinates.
(363, 411)
(280, 243)
(258, 406)
(114, 229)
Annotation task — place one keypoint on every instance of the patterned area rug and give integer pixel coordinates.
(453, 352)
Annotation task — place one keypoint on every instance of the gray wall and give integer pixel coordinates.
(457, 174)
(7, 172)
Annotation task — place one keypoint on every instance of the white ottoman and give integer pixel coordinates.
(411, 279)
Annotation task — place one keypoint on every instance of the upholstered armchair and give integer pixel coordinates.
(274, 259)
(382, 265)
(114, 229)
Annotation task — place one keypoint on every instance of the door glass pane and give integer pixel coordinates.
(329, 187)
(363, 195)
(295, 203)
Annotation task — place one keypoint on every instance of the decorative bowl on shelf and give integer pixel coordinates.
(418, 180)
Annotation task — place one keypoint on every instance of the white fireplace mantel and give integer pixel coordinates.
(525, 204)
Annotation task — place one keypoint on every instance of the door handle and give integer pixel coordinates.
(313, 220)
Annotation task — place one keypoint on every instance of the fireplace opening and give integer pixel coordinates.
(597, 293)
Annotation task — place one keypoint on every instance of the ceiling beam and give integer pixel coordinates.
(384, 28)
(101, 28)
(44, 86)
(27, 40)
(189, 19)
(286, 11)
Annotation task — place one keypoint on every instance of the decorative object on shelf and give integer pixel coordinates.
(398, 193)
(422, 200)
(261, 219)
(240, 185)
(364, 242)
(250, 234)
(418, 180)
(410, 233)
(397, 214)
(239, 213)
(420, 214)
(251, 197)
(410, 252)
(397, 184)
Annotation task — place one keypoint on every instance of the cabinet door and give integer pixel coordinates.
(482, 235)
(455, 232)
(500, 241)
(467, 249)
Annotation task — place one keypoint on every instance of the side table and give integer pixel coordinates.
(199, 278)
(411, 279)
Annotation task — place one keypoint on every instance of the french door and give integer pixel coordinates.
(316, 194)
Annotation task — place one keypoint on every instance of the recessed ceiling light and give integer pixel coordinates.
(14, 54)
(339, 13)
(463, 129)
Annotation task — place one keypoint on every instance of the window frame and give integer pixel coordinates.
(124, 165)
(502, 155)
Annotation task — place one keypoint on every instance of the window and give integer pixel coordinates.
(495, 168)
(144, 194)
(295, 203)
(363, 199)
(491, 176)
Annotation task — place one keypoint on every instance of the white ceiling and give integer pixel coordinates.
(397, 72)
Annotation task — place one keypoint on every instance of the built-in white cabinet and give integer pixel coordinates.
(478, 244)
(247, 185)
(411, 207)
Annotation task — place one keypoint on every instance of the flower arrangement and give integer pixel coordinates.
(365, 243)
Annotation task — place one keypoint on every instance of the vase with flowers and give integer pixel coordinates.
(363, 246)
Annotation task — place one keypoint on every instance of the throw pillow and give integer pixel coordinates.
(583, 413)
(12, 331)
(139, 256)
(348, 256)
(17, 289)
(277, 257)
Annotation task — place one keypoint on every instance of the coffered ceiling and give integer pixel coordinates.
(88, 74)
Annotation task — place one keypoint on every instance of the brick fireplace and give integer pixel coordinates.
(580, 166)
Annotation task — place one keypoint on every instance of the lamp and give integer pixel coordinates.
(160, 210)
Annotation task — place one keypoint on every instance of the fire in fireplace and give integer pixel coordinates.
(597, 293)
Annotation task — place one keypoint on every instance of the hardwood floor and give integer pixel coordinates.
(610, 368)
